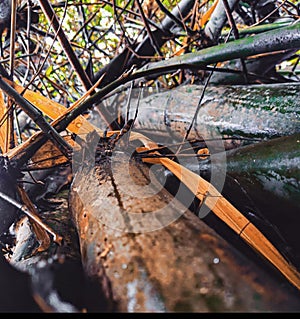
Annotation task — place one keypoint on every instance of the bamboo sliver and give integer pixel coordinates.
(52, 109)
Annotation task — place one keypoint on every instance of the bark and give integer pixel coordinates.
(151, 254)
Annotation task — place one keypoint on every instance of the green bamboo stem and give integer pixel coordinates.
(271, 41)
(275, 40)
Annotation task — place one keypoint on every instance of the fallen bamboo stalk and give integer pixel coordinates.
(225, 110)
(167, 268)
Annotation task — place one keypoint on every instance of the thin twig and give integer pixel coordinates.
(236, 36)
(149, 32)
(53, 20)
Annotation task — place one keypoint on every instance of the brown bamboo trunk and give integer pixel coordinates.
(149, 254)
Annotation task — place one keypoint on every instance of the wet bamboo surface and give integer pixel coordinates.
(180, 265)
(224, 110)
